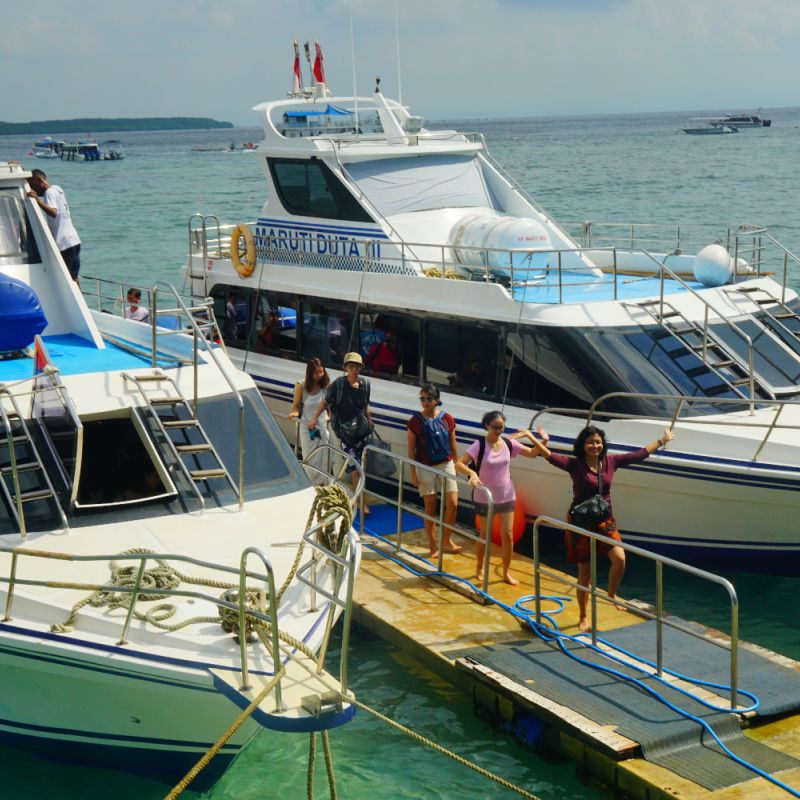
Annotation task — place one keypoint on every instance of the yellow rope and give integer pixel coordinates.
(217, 746)
(449, 753)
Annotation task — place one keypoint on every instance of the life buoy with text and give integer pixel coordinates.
(244, 266)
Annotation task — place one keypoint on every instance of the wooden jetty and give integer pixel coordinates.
(435, 625)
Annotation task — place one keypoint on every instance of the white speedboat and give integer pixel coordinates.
(373, 222)
(137, 462)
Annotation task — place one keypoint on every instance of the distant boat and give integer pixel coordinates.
(745, 120)
(713, 128)
(91, 150)
(47, 148)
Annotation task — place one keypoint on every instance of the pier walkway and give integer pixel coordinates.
(615, 731)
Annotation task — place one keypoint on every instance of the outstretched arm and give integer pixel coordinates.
(539, 448)
(667, 436)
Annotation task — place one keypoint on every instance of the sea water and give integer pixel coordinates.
(132, 216)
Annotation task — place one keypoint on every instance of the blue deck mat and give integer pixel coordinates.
(382, 521)
(667, 738)
(582, 287)
(74, 355)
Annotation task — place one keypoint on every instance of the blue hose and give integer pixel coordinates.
(554, 634)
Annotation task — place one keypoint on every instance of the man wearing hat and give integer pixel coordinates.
(347, 399)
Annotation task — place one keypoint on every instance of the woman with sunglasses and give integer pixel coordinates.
(494, 472)
(432, 441)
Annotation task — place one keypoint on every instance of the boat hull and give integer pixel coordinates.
(709, 505)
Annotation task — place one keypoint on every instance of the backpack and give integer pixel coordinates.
(476, 465)
(436, 436)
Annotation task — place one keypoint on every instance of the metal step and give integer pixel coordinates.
(205, 474)
(36, 494)
(25, 466)
(193, 448)
(165, 401)
(180, 423)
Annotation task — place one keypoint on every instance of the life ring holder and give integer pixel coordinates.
(243, 267)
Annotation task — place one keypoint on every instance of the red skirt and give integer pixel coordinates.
(578, 545)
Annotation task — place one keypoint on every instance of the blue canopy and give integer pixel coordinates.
(329, 110)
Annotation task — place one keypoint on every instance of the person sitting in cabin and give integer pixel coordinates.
(472, 376)
(135, 311)
(385, 356)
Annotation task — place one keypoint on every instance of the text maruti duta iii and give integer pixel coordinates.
(374, 222)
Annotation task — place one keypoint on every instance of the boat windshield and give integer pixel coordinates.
(402, 185)
(572, 367)
(16, 242)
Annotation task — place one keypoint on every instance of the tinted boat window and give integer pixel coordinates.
(308, 188)
(461, 357)
(326, 332)
(275, 324)
(572, 367)
(389, 343)
(17, 245)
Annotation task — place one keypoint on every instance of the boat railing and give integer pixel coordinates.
(186, 316)
(660, 616)
(682, 403)
(756, 237)
(400, 504)
(198, 237)
(233, 601)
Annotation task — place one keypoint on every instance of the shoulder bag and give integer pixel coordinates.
(592, 510)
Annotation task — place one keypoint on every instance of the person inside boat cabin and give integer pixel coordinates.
(53, 202)
(588, 467)
(135, 311)
(385, 356)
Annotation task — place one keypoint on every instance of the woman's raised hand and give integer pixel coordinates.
(669, 435)
(543, 435)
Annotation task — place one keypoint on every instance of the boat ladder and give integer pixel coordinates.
(180, 429)
(782, 320)
(678, 334)
(22, 479)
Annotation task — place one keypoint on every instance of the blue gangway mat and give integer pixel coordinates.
(666, 737)
(382, 521)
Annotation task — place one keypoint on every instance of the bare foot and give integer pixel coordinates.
(366, 511)
(434, 553)
(616, 605)
(479, 575)
(510, 580)
(583, 625)
(453, 548)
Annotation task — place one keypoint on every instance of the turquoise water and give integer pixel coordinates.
(132, 216)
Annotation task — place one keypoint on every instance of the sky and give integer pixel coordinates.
(459, 59)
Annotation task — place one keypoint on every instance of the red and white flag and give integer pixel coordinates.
(319, 66)
(297, 82)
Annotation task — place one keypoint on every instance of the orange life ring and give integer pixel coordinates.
(243, 267)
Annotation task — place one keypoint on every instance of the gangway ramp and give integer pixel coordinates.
(450, 634)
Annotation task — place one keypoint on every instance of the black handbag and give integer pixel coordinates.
(355, 430)
(592, 510)
(379, 463)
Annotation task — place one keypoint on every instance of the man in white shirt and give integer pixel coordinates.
(137, 312)
(53, 201)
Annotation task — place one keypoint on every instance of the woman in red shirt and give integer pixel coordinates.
(425, 481)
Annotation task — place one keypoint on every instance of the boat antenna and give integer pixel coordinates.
(353, 58)
(397, 48)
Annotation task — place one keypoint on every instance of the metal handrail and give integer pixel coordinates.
(401, 506)
(209, 349)
(53, 372)
(659, 616)
(346, 559)
(680, 400)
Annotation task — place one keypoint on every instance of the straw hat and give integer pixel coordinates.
(353, 358)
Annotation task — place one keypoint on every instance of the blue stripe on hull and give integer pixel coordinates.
(158, 763)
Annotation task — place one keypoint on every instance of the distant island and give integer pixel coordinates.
(107, 124)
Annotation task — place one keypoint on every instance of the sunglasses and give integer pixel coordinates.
(426, 399)
(498, 427)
